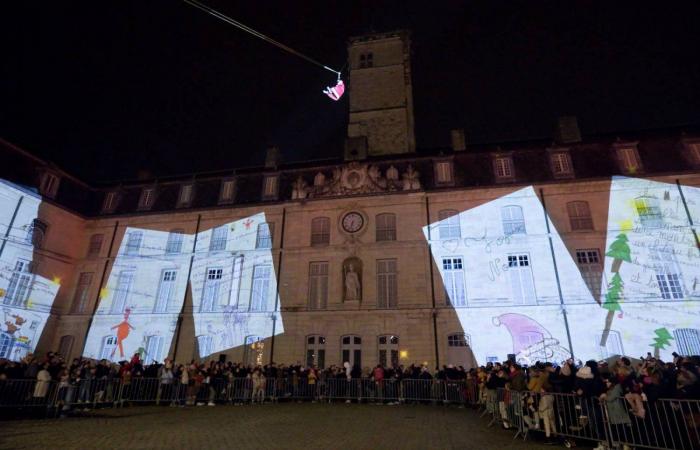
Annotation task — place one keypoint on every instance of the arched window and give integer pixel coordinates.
(388, 346)
(65, 346)
(174, 244)
(449, 224)
(320, 231)
(316, 351)
(513, 220)
(351, 350)
(36, 233)
(579, 216)
(386, 227)
(109, 347)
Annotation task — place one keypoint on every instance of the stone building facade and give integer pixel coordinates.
(360, 260)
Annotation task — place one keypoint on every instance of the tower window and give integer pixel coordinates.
(366, 60)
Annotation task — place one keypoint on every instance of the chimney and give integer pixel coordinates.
(458, 142)
(567, 130)
(273, 157)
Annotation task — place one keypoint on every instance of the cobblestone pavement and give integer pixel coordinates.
(283, 426)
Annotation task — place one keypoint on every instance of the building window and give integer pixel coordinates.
(65, 346)
(687, 341)
(36, 233)
(154, 349)
(386, 283)
(693, 152)
(351, 350)
(219, 236)
(320, 231)
(649, 211)
(166, 291)
(95, 245)
(449, 227)
(579, 216)
(453, 279)
(458, 340)
(386, 227)
(261, 287)
(233, 296)
(264, 236)
(212, 286)
(366, 60)
(388, 350)
(80, 298)
(147, 198)
(121, 294)
(174, 244)
(629, 159)
(503, 167)
(133, 243)
(204, 343)
(561, 164)
(513, 220)
(110, 202)
(185, 197)
(522, 286)
(227, 192)
(592, 272)
(613, 346)
(20, 280)
(668, 275)
(316, 351)
(253, 351)
(270, 187)
(109, 347)
(318, 285)
(443, 172)
(49, 185)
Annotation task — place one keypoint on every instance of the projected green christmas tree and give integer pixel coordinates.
(620, 251)
(661, 340)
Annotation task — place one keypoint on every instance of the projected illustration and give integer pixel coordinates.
(25, 297)
(514, 294)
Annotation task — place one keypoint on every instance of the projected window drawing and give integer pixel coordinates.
(318, 285)
(166, 290)
(210, 297)
(649, 212)
(668, 275)
(388, 350)
(613, 345)
(351, 350)
(218, 239)
(17, 292)
(175, 240)
(133, 244)
(154, 349)
(205, 344)
(264, 239)
(523, 289)
(109, 347)
(687, 341)
(449, 224)
(316, 351)
(121, 293)
(453, 279)
(513, 221)
(261, 288)
(386, 283)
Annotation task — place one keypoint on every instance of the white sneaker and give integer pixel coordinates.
(211, 404)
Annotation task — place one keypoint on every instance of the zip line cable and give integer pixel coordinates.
(257, 34)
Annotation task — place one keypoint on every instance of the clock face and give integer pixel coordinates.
(352, 222)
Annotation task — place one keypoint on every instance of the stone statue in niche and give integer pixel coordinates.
(352, 276)
(299, 189)
(411, 179)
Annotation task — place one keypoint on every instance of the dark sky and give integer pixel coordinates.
(105, 88)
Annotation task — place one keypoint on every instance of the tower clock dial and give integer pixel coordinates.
(353, 222)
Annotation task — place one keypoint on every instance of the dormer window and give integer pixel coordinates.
(443, 172)
(185, 197)
(147, 197)
(227, 191)
(49, 184)
(503, 167)
(366, 60)
(560, 162)
(270, 187)
(110, 202)
(628, 158)
(692, 152)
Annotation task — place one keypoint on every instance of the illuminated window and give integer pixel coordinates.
(49, 185)
(513, 220)
(386, 283)
(133, 243)
(109, 347)
(522, 286)
(320, 231)
(270, 187)
(154, 349)
(227, 191)
(121, 293)
(166, 291)
(453, 279)
(80, 298)
(366, 60)
(174, 244)
(253, 351)
(95, 245)
(613, 346)
(147, 197)
(219, 235)
(204, 342)
(443, 172)
(668, 275)
(629, 159)
(351, 350)
(503, 167)
(687, 341)
(318, 285)
(649, 211)
(212, 286)
(591, 270)
(316, 351)
(386, 227)
(694, 152)
(185, 197)
(65, 346)
(448, 226)
(20, 280)
(264, 236)
(561, 163)
(388, 350)
(36, 233)
(110, 202)
(458, 340)
(579, 216)
(261, 288)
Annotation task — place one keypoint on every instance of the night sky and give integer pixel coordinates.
(108, 88)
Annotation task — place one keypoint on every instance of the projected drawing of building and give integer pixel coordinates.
(385, 254)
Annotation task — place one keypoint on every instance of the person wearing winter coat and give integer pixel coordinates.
(43, 381)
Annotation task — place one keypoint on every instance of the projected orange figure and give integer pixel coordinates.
(122, 332)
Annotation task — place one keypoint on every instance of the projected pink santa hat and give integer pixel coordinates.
(521, 328)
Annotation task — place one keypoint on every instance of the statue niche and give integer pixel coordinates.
(352, 279)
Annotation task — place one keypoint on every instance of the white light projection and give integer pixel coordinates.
(25, 297)
(234, 287)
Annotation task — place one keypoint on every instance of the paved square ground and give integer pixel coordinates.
(271, 426)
